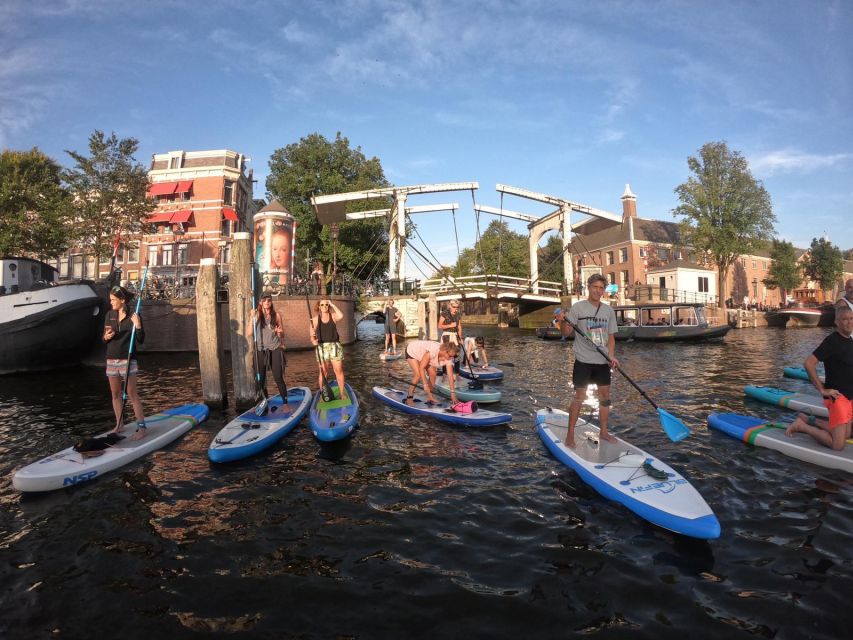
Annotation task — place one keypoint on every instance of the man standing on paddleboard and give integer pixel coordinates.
(597, 321)
(836, 353)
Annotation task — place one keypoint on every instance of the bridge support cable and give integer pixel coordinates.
(370, 254)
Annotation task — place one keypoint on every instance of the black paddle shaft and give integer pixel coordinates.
(619, 369)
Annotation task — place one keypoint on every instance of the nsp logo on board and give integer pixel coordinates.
(83, 477)
(664, 487)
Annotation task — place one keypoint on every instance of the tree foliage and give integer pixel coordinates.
(500, 251)
(34, 218)
(785, 272)
(551, 259)
(727, 212)
(108, 190)
(317, 166)
(824, 263)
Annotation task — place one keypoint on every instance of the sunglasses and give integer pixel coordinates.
(324, 304)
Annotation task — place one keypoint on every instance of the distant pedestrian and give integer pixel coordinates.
(392, 317)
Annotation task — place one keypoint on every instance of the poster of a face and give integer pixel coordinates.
(274, 244)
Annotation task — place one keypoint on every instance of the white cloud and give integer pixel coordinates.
(787, 160)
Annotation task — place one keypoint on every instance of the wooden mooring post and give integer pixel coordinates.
(240, 309)
(209, 339)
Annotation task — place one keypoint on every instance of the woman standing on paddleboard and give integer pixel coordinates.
(324, 332)
(118, 327)
(270, 344)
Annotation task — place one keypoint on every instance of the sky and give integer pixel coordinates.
(574, 99)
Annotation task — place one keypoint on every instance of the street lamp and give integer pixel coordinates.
(336, 230)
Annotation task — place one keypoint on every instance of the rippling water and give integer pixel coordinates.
(413, 529)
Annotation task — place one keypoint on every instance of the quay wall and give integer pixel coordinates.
(170, 325)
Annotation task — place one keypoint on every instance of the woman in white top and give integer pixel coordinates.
(424, 358)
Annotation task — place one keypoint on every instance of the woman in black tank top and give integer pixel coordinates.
(324, 332)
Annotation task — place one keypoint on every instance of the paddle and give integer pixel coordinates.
(674, 428)
(130, 348)
(325, 390)
(261, 407)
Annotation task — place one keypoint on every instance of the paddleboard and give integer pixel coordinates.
(441, 410)
(69, 467)
(388, 357)
(335, 419)
(621, 472)
(799, 372)
(465, 392)
(480, 372)
(812, 405)
(250, 433)
(771, 435)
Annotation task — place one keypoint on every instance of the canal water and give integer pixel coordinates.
(414, 529)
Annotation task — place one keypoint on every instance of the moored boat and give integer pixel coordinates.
(802, 316)
(43, 324)
(549, 333)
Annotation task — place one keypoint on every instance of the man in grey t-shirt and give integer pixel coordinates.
(597, 321)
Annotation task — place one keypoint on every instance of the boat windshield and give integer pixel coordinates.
(700, 316)
(685, 316)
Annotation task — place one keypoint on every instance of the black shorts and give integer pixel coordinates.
(585, 374)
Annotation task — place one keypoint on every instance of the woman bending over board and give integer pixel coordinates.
(118, 326)
(270, 344)
(424, 358)
(324, 332)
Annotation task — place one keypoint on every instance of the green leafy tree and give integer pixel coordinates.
(785, 272)
(727, 212)
(108, 192)
(34, 218)
(316, 166)
(551, 259)
(500, 251)
(824, 263)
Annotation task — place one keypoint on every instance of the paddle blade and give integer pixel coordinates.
(261, 408)
(326, 392)
(675, 429)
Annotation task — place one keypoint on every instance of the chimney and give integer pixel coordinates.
(629, 204)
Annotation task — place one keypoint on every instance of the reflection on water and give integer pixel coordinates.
(412, 528)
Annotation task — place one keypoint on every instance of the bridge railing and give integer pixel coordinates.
(487, 282)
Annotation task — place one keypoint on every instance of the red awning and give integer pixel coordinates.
(229, 214)
(162, 188)
(182, 216)
(161, 216)
(184, 186)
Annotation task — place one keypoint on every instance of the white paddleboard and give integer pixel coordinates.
(69, 467)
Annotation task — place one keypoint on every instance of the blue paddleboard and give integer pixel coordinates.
(336, 419)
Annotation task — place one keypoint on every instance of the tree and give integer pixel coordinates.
(108, 192)
(824, 263)
(784, 273)
(33, 205)
(551, 259)
(316, 166)
(726, 211)
(499, 252)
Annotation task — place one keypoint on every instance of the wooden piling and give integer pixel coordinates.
(209, 340)
(240, 309)
(432, 330)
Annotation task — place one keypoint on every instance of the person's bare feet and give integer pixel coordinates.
(140, 433)
(606, 436)
(794, 427)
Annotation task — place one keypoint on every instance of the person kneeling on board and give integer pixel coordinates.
(424, 358)
(836, 353)
(476, 350)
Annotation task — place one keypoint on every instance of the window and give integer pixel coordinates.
(677, 254)
(167, 254)
(63, 268)
(152, 255)
(120, 254)
(754, 265)
(183, 253)
(624, 279)
(224, 254)
(703, 284)
(623, 254)
(228, 197)
(611, 277)
(764, 265)
(663, 254)
(185, 196)
(609, 257)
(175, 162)
(77, 266)
(225, 230)
(133, 252)
(643, 252)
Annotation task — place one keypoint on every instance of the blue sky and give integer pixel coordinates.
(573, 99)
